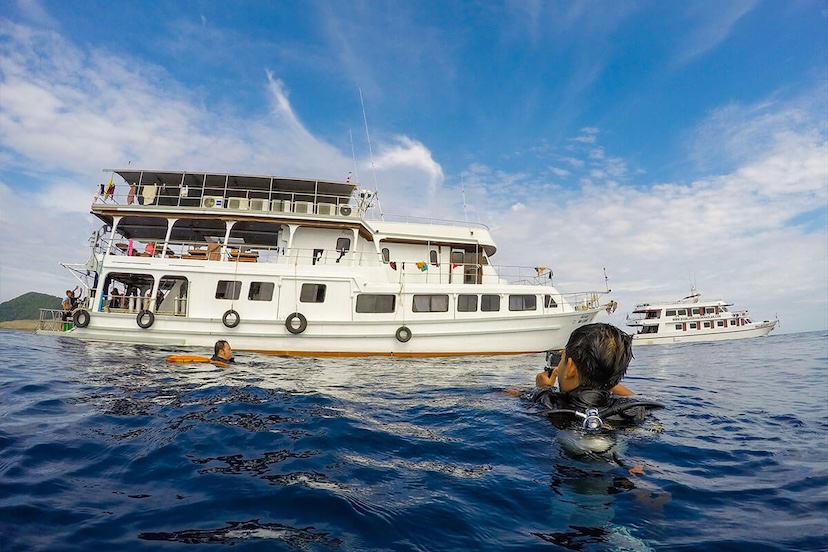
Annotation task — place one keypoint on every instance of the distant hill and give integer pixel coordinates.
(27, 306)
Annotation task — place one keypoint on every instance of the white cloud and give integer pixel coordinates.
(728, 232)
(713, 24)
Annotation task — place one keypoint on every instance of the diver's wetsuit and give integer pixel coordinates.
(581, 398)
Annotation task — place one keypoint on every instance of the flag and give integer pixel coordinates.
(110, 189)
(541, 269)
(393, 265)
(349, 178)
(422, 266)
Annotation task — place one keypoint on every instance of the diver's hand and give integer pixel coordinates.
(547, 378)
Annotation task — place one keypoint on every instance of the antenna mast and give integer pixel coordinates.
(463, 189)
(353, 155)
(371, 152)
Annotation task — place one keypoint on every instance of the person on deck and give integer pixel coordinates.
(223, 353)
(115, 299)
(70, 303)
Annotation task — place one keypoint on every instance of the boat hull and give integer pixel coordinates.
(743, 332)
(429, 338)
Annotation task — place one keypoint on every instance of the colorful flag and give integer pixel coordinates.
(110, 189)
(422, 266)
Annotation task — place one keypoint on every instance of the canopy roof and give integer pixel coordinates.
(238, 185)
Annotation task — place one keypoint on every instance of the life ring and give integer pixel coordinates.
(231, 314)
(403, 334)
(81, 318)
(145, 319)
(303, 323)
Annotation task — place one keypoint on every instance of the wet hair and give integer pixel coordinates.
(220, 346)
(601, 353)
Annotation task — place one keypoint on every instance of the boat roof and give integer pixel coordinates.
(653, 307)
(267, 187)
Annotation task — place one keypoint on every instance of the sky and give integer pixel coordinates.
(661, 144)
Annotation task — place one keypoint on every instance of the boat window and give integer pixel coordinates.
(671, 312)
(386, 255)
(523, 302)
(467, 303)
(696, 310)
(720, 323)
(549, 302)
(343, 244)
(312, 293)
(123, 291)
(433, 258)
(374, 302)
(260, 291)
(679, 326)
(228, 289)
(649, 329)
(710, 310)
(174, 301)
(457, 256)
(732, 322)
(707, 325)
(653, 314)
(317, 255)
(430, 303)
(682, 312)
(694, 325)
(490, 303)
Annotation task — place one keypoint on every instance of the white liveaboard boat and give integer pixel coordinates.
(691, 320)
(302, 267)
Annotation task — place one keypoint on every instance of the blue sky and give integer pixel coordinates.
(669, 142)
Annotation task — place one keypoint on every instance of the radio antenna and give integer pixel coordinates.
(353, 155)
(463, 189)
(371, 152)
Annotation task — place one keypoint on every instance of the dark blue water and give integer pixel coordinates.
(108, 447)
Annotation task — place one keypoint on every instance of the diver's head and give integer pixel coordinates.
(596, 356)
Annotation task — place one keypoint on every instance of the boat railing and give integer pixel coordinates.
(257, 201)
(52, 320)
(426, 220)
(237, 199)
(135, 303)
(412, 270)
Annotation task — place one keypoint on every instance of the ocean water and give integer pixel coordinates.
(109, 447)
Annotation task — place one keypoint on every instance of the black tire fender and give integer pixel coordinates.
(81, 318)
(145, 319)
(231, 318)
(403, 334)
(303, 323)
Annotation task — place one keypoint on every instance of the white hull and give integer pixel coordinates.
(756, 330)
(346, 338)
(245, 255)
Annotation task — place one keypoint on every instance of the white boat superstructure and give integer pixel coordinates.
(691, 320)
(295, 266)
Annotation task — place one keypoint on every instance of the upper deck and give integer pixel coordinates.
(145, 199)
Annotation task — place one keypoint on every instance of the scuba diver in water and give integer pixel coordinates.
(588, 406)
(223, 353)
(588, 375)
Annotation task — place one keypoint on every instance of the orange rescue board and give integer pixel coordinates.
(182, 359)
